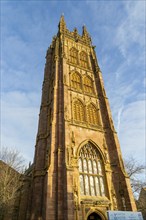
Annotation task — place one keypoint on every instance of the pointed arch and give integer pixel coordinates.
(93, 117)
(93, 143)
(88, 85)
(78, 111)
(100, 214)
(76, 81)
(91, 171)
(73, 55)
(83, 59)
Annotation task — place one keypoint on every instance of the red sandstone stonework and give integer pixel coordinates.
(66, 125)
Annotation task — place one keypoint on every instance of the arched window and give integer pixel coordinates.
(92, 115)
(76, 81)
(78, 111)
(88, 85)
(91, 171)
(83, 59)
(73, 55)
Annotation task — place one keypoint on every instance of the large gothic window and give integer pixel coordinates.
(78, 111)
(76, 81)
(73, 55)
(83, 59)
(91, 171)
(92, 115)
(88, 85)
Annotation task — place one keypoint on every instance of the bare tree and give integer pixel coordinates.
(11, 169)
(141, 202)
(134, 170)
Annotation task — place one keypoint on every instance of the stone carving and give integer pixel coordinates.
(66, 113)
(74, 161)
(71, 153)
(73, 145)
(75, 194)
(105, 151)
(64, 79)
(123, 202)
(114, 200)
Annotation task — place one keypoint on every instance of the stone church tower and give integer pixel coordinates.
(78, 171)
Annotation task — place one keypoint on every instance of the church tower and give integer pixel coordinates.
(78, 171)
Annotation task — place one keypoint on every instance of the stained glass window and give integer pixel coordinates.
(99, 168)
(80, 165)
(91, 171)
(92, 187)
(81, 185)
(102, 186)
(94, 167)
(90, 166)
(86, 185)
(97, 186)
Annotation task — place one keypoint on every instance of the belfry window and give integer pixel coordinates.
(73, 56)
(83, 59)
(78, 111)
(91, 171)
(88, 85)
(92, 115)
(76, 81)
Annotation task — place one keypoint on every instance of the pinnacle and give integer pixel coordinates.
(62, 20)
(85, 32)
(62, 24)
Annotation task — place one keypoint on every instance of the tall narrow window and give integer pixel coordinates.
(76, 81)
(78, 111)
(91, 171)
(92, 115)
(88, 85)
(83, 59)
(73, 55)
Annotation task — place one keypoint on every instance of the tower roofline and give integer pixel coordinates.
(84, 38)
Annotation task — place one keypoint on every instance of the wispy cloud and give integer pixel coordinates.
(119, 119)
(131, 30)
(19, 113)
(133, 127)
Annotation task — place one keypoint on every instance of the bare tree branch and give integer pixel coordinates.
(134, 169)
(11, 169)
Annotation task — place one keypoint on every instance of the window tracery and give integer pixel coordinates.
(78, 111)
(83, 59)
(91, 171)
(73, 55)
(92, 115)
(88, 85)
(76, 81)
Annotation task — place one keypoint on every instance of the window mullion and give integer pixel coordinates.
(92, 173)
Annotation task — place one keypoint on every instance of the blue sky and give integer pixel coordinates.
(117, 29)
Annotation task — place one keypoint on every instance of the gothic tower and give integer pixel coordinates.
(78, 169)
